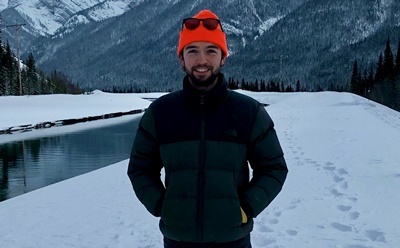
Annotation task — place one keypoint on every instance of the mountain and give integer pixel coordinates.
(133, 42)
(319, 41)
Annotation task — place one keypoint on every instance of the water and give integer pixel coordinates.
(31, 164)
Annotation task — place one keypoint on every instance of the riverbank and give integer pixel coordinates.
(58, 123)
(20, 111)
(27, 113)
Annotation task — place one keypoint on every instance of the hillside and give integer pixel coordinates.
(132, 42)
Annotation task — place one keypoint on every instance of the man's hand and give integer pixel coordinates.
(244, 216)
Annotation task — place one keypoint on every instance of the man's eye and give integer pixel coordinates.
(192, 51)
(212, 51)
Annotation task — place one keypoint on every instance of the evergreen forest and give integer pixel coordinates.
(28, 79)
(380, 82)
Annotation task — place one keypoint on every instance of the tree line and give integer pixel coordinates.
(274, 85)
(382, 84)
(277, 85)
(29, 80)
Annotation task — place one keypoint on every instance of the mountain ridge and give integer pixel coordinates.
(284, 40)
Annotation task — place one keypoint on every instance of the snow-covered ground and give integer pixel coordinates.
(342, 189)
(17, 111)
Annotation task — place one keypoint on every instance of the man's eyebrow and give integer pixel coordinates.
(213, 46)
(191, 47)
(208, 47)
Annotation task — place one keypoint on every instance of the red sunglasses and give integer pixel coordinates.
(208, 23)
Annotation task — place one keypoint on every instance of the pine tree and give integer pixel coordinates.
(256, 86)
(397, 61)
(31, 80)
(44, 83)
(11, 74)
(396, 87)
(331, 87)
(59, 82)
(263, 87)
(379, 75)
(388, 61)
(298, 87)
(2, 72)
(370, 81)
(364, 83)
(355, 83)
(274, 86)
(289, 88)
(245, 85)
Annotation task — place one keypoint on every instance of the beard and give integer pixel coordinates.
(202, 82)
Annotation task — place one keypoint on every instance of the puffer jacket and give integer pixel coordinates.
(205, 143)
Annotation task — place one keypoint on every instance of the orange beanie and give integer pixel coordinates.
(216, 36)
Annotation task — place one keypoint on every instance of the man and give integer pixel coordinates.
(204, 136)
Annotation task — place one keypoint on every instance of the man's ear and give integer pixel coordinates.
(223, 61)
(181, 60)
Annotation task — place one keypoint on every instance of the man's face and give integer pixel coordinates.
(202, 61)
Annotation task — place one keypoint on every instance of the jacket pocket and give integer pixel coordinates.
(222, 213)
(179, 213)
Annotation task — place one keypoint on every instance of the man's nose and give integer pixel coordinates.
(202, 58)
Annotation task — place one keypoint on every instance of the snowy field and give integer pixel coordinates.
(342, 189)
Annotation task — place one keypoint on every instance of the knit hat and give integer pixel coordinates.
(216, 36)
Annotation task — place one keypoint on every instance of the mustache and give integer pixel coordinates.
(203, 66)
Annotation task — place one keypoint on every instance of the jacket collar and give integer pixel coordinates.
(213, 97)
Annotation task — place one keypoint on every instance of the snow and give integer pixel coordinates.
(56, 107)
(40, 18)
(266, 25)
(341, 192)
(48, 16)
(108, 10)
(3, 4)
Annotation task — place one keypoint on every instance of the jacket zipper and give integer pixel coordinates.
(201, 169)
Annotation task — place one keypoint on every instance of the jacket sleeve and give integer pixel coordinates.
(145, 166)
(265, 156)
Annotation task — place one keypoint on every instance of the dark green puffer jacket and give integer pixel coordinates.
(205, 142)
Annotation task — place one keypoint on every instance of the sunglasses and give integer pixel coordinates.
(209, 23)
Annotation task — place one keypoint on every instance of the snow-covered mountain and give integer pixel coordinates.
(45, 17)
(120, 42)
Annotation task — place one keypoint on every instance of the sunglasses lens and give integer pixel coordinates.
(191, 23)
(210, 24)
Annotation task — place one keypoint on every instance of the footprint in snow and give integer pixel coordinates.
(294, 203)
(354, 215)
(337, 179)
(353, 199)
(273, 221)
(336, 193)
(342, 172)
(343, 208)
(310, 161)
(262, 241)
(375, 235)
(344, 185)
(291, 232)
(329, 168)
(264, 229)
(341, 227)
